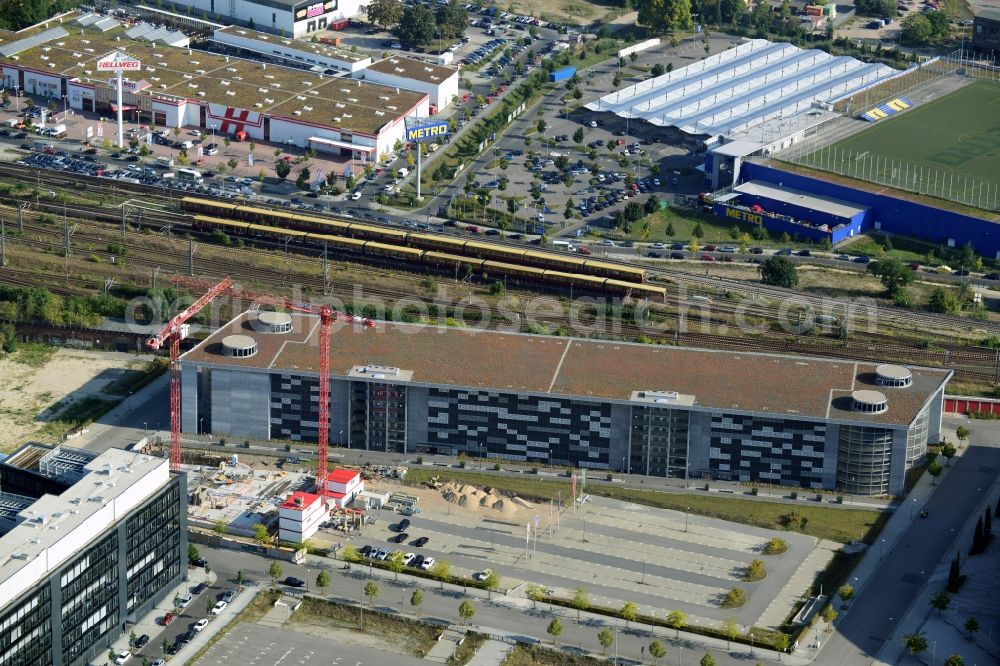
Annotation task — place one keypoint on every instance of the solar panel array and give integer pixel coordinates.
(14, 48)
(106, 24)
(741, 88)
(88, 19)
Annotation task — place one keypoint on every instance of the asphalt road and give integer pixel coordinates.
(881, 605)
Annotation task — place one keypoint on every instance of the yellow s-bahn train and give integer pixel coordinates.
(425, 241)
(442, 261)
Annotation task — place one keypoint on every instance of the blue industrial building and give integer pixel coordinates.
(784, 201)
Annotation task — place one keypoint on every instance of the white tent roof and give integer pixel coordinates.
(741, 87)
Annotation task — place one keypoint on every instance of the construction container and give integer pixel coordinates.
(562, 74)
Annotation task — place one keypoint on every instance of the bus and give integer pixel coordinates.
(189, 176)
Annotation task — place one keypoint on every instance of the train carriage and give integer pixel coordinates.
(495, 270)
(380, 234)
(615, 271)
(207, 206)
(495, 252)
(637, 290)
(339, 243)
(437, 242)
(586, 283)
(554, 262)
(278, 232)
(434, 258)
(209, 223)
(377, 249)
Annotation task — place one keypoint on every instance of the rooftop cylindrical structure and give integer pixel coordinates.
(239, 346)
(870, 402)
(273, 322)
(896, 376)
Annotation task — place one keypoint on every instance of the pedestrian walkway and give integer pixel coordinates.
(447, 643)
(491, 653)
(779, 608)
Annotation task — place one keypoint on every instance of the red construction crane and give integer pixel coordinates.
(172, 334)
(327, 316)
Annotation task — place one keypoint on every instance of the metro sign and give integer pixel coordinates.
(118, 62)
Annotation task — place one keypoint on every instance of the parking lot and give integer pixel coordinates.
(658, 559)
(258, 645)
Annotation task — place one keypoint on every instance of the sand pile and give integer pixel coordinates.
(480, 499)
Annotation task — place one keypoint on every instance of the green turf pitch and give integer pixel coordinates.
(957, 133)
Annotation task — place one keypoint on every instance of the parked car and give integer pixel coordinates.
(402, 525)
(427, 563)
(218, 607)
(400, 538)
(229, 596)
(141, 641)
(123, 657)
(482, 575)
(421, 542)
(200, 624)
(292, 581)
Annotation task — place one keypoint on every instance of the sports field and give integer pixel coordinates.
(948, 147)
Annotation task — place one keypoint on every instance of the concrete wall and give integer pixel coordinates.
(893, 215)
(241, 403)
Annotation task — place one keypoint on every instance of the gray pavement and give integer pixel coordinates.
(256, 645)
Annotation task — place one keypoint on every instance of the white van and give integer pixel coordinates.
(164, 161)
(187, 145)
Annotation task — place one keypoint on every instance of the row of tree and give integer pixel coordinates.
(664, 16)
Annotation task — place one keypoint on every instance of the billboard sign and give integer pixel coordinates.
(421, 129)
(118, 62)
(314, 9)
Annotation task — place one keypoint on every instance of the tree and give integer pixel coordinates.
(452, 19)
(274, 571)
(260, 533)
(657, 651)
(540, 126)
(734, 598)
(943, 300)
(240, 578)
(554, 629)
(941, 601)
(665, 15)
(220, 527)
(282, 169)
(302, 181)
(581, 601)
(657, 70)
(466, 610)
(371, 591)
(915, 642)
(132, 637)
(829, 614)
(846, 593)
(954, 575)
(193, 554)
(536, 593)
(707, 660)
(954, 660)
(698, 232)
(971, 626)
(417, 27)
(934, 469)
(606, 638)
(395, 562)
(350, 554)
(385, 12)
(780, 643)
(578, 135)
(416, 598)
(441, 570)
(948, 451)
(730, 629)
(893, 274)
(779, 272)
(675, 620)
(916, 29)
(629, 613)
(755, 571)
(323, 579)
(963, 433)
(669, 231)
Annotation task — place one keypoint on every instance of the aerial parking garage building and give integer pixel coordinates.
(642, 409)
(89, 543)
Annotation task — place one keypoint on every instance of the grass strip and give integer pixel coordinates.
(468, 649)
(836, 524)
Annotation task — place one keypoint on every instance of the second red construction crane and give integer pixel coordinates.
(327, 316)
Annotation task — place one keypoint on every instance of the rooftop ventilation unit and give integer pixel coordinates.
(895, 376)
(273, 322)
(296, 112)
(231, 93)
(224, 83)
(307, 108)
(400, 70)
(870, 402)
(201, 93)
(231, 69)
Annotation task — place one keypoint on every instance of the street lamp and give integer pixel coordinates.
(881, 549)
(686, 518)
(201, 428)
(145, 429)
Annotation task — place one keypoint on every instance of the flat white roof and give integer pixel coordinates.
(54, 529)
(788, 195)
(741, 87)
(738, 148)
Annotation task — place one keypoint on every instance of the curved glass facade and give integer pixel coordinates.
(864, 456)
(916, 438)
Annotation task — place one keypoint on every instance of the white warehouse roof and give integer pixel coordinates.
(741, 87)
